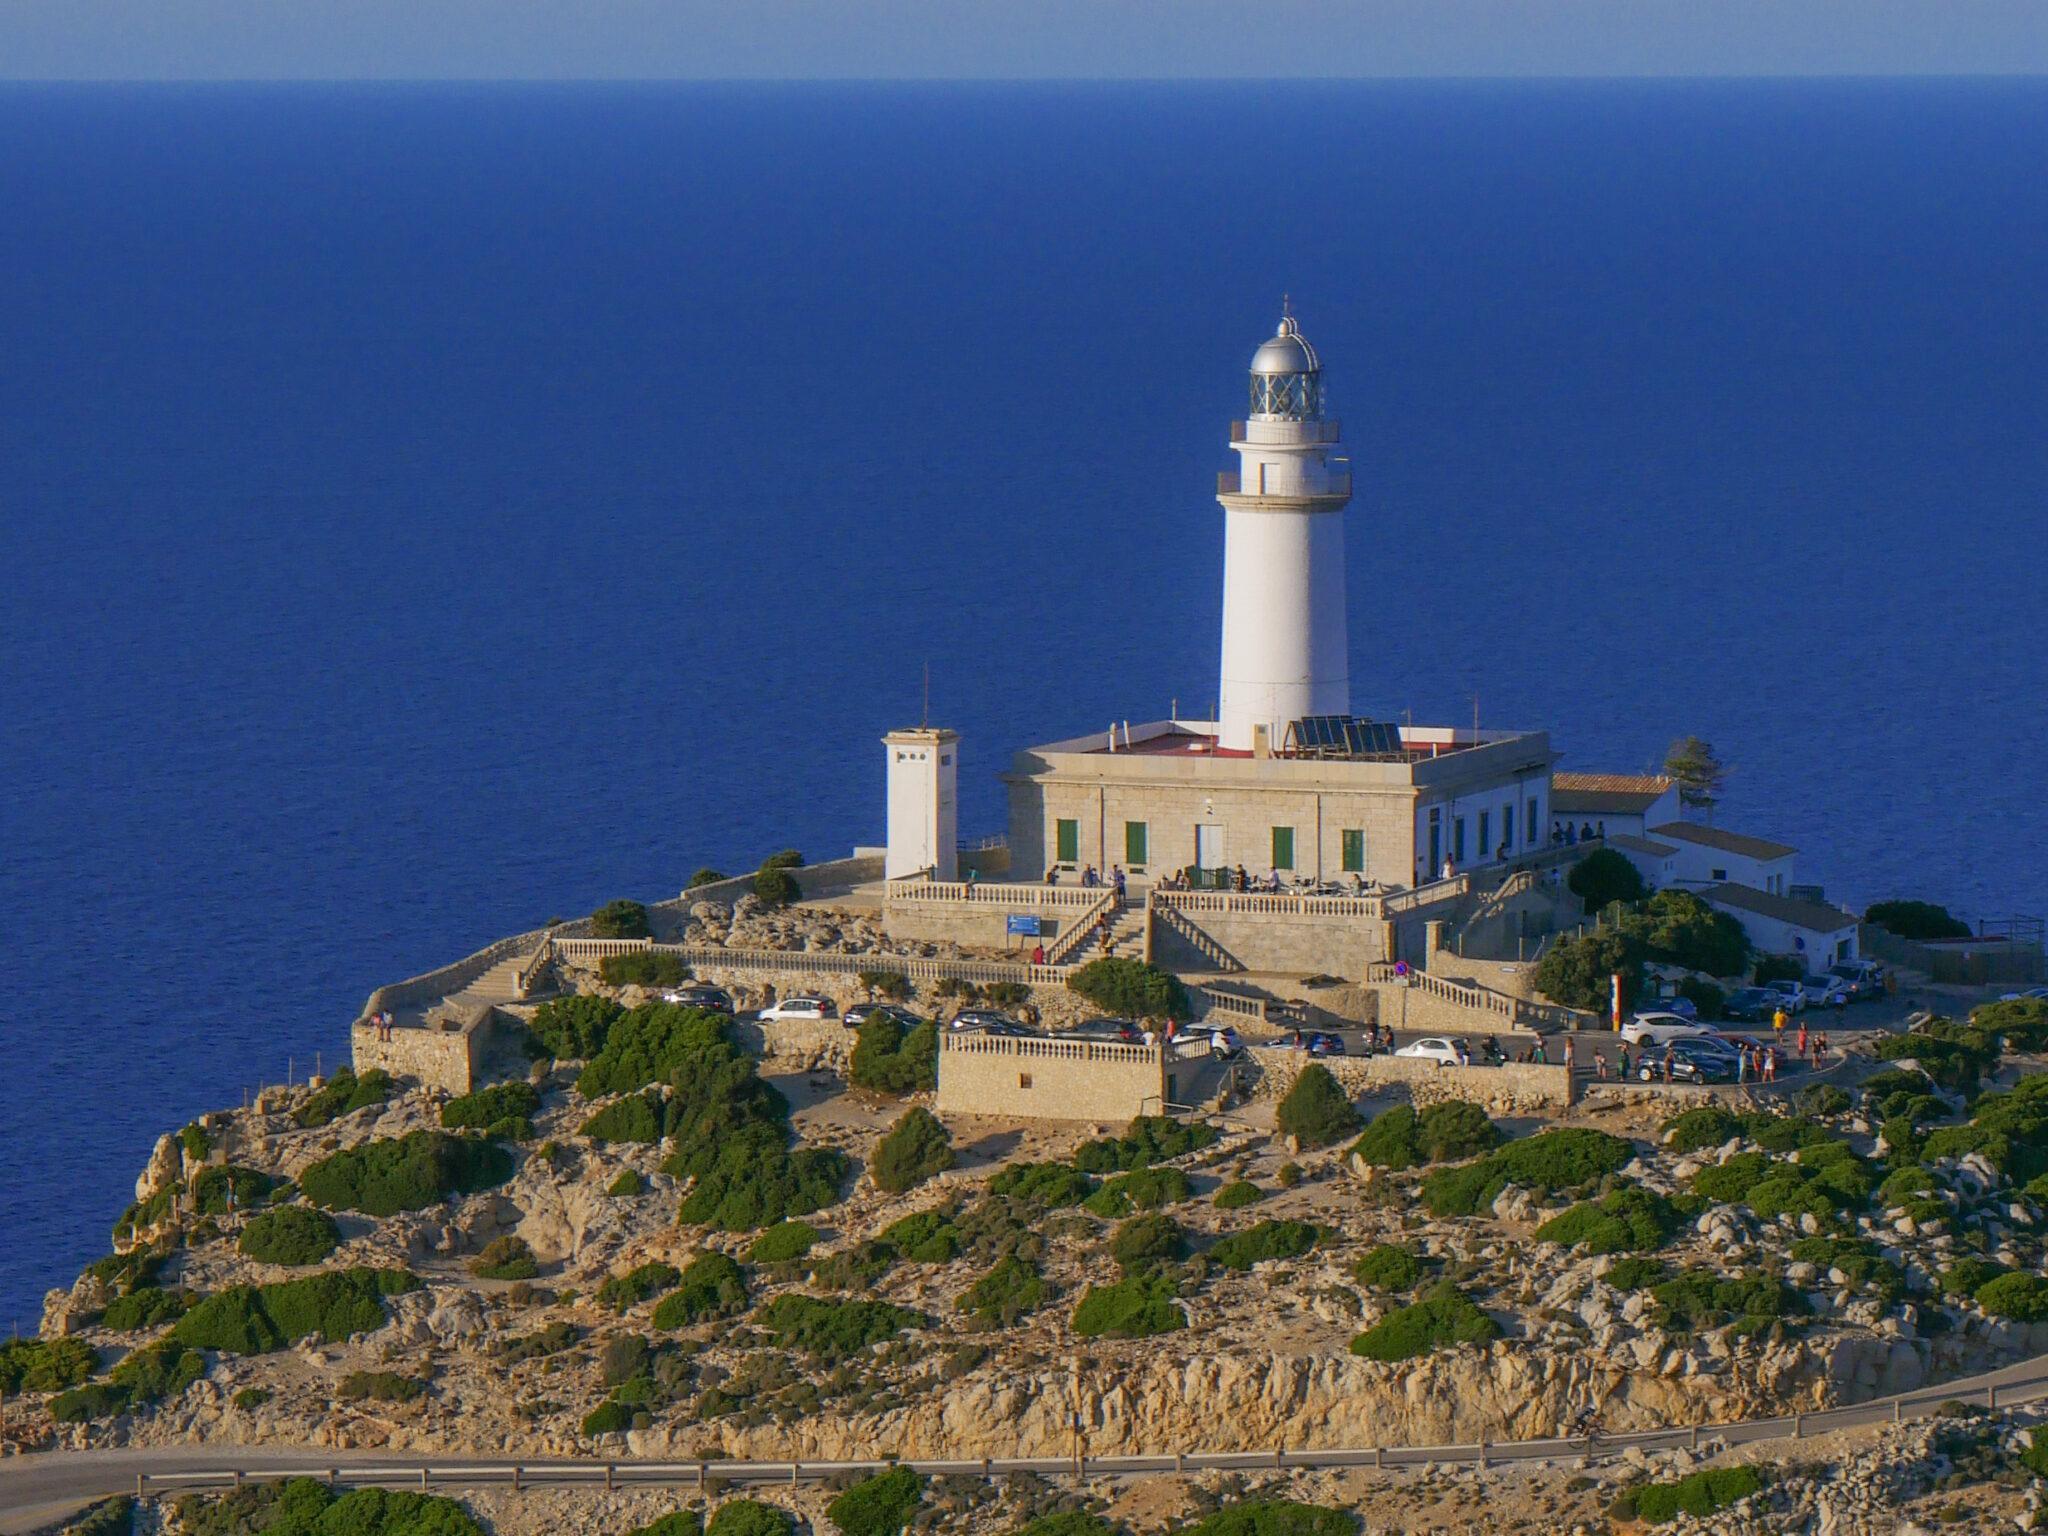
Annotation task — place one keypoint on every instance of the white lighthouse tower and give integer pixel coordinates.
(1285, 654)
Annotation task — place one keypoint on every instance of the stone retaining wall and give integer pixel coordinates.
(424, 990)
(446, 1058)
(1029, 1078)
(1509, 1090)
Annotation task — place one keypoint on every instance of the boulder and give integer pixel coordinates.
(166, 1166)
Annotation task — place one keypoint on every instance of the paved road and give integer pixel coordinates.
(38, 1489)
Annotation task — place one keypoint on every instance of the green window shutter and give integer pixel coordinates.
(1354, 852)
(1134, 843)
(1067, 840)
(1283, 847)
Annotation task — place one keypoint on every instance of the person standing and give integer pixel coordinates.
(1571, 1054)
(1802, 1037)
(1621, 1059)
(1779, 1020)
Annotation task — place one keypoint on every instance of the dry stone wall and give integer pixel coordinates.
(1049, 1079)
(1514, 1089)
(439, 1058)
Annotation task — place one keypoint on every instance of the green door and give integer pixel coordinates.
(1283, 847)
(1354, 852)
(1134, 844)
(1067, 842)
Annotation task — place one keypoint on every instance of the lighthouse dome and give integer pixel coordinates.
(1287, 377)
(1287, 352)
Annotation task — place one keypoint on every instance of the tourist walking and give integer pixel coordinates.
(1600, 1065)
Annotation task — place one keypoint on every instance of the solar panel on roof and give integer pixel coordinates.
(1342, 736)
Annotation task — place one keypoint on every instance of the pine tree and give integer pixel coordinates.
(1699, 771)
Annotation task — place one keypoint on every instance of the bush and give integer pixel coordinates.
(505, 1258)
(1626, 1219)
(636, 1117)
(1697, 1495)
(1701, 1298)
(291, 1234)
(830, 1330)
(2022, 1021)
(219, 1190)
(379, 1387)
(489, 1106)
(1953, 1055)
(1007, 1292)
(750, 1517)
(253, 1320)
(775, 886)
(1916, 920)
(344, 1094)
(782, 1243)
(1131, 989)
(643, 968)
(1680, 929)
(623, 1292)
(654, 1043)
(627, 1184)
(610, 1417)
(1400, 1138)
(1130, 1309)
(574, 1028)
(621, 919)
(890, 1059)
(1770, 968)
(1316, 1111)
(928, 1237)
(1048, 1184)
(1700, 1128)
(1144, 1243)
(1267, 1240)
(917, 1148)
(1276, 1517)
(1635, 1274)
(1555, 1160)
(1443, 1316)
(711, 1287)
(1149, 1139)
(1575, 972)
(1388, 1268)
(1238, 1194)
(146, 1307)
(2020, 1297)
(878, 1506)
(1605, 876)
(45, 1365)
(303, 1507)
(116, 1517)
(1146, 1189)
(1388, 1140)
(423, 1168)
(98, 1400)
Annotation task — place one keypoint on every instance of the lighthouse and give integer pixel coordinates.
(1285, 654)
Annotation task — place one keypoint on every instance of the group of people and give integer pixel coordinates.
(1562, 833)
(383, 1023)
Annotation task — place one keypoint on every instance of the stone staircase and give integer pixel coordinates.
(1126, 936)
(1186, 929)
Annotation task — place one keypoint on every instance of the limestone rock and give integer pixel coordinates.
(166, 1165)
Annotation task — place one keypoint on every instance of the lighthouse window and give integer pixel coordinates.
(1283, 847)
(1354, 851)
(1067, 842)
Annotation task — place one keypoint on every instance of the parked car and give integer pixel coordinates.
(987, 1020)
(1865, 978)
(811, 1008)
(2031, 993)
(1661, 1028)
(1790, 995)
(1314, 1041)
(1112, 1031)
(1432, 1048)
(1684, 1007)
(1753, 1005)
(712, 999)
(1825, 991)
(858, 1014)
(1690, 1063)
(1224, 1042)
(1779, 1060)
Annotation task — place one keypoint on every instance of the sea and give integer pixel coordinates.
(432, 509)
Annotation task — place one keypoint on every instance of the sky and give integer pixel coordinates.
(1010, 39)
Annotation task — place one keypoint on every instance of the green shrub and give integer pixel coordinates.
(253, 1320)
(1970, 1274)
(249, 1399)
(893, 985)
(621, 919)
(1048, 1184)
(1238, 1194)
(423, 1168)
(45, 1365)
(1145, 1189)
(928, 1237)
(232, 1321)
(1131, 989)
(1785, 1133)
(657, 1042)
(636, 1117)
(775, 886)
(643, 968)
(2020, 1297)
(1916, 920)
(115, 1517)
(1275, 1517)
(1635, 1273)
(1144, 1243)
(196, 1142)
(750, 1517)
(1290, 1175)
(1706, 998)
(95, 1400)
(1399, 1138)
(505, 1258)
(830, 1330)
(1575, 972)
(1626, 1219)
(1770, 968)
(291, 1234)
(1267, 1240)
(627, 1184)
(303, 1507)
(890, 1059)
(1388, 1268)
(1696, 1129)
(379, 1387)
(1556, 1160)
(1953, 1055)
(1012, 1289)
(221, 1189)
(574, 1028)
(1679, 928)
(1078, 1522)
(2021, 1021)
(610, 1417)
(1700, 1298)
(489, 1106)
(623, 1292)
(917, 1148)
(878, 1506)
(1316, 1111)
(706, 875)
(711, 1287)
(1149, 1139)
(1388, 1141)
(1130, 1309)
(1444, 1315)
(146, 1307)
(783, 1243)
(1604, 877)
(1698, 1495)
(1821, 1099)
(344, 1094)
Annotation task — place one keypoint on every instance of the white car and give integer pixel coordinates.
(1791, 995)
(1432, 1048)
(1662, 1029)
(1825, 991)
(810, 1008)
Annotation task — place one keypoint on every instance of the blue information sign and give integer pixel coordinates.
(1023, 925)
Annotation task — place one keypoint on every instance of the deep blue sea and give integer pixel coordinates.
(432, 509)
